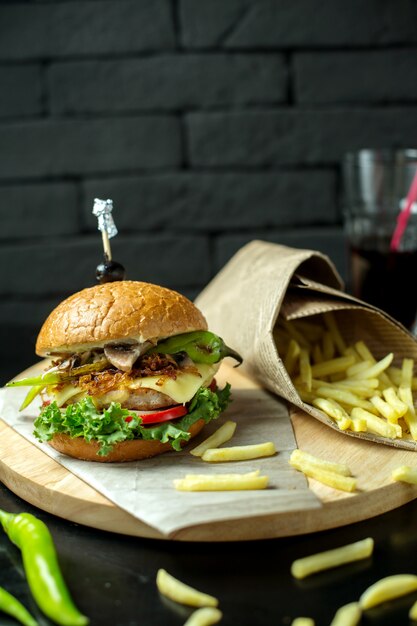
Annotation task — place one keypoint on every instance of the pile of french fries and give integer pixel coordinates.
(346, 382)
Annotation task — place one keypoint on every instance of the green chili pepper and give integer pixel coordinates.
(41, 566)
(48, 378)
(11, 605)
(55, 377)
(201, 347)
(31, 395)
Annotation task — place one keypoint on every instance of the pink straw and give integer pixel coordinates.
(404, 216)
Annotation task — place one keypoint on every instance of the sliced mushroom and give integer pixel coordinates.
(124, 355)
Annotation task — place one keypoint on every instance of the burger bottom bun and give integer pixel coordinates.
(130, 450)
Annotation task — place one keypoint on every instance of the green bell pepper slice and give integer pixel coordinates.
(201, 347)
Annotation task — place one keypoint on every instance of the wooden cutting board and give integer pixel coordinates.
(38, 479)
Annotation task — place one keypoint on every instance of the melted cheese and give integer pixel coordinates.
(64, 394)
(183, 388)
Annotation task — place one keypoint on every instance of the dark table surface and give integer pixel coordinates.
(112, 577)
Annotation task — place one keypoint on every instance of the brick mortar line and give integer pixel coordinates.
(182, 50)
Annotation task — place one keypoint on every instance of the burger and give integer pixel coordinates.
(131, 373)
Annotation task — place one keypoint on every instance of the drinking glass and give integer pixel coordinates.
(376, 184)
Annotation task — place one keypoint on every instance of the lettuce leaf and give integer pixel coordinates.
(109, 426)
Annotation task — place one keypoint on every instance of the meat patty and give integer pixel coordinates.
(147, 400)
(140, 399)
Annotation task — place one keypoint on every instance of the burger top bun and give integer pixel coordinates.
(117, 311)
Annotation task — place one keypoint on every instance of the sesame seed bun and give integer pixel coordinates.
(117, 311)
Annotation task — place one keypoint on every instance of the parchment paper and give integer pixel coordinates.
(145, 488)
(263, 280)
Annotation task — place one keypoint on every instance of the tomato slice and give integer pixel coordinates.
(213, 385)
(162, 416)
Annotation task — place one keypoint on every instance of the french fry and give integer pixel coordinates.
(410, 419)
(178, 591)
(294, 333)
(306, 396)
(317, 354)
(348, 615)
(387, 589)
(393, 400)
(340, 364)
(345, 397)
(222, 482)
(364, 352)
(338, 377)
(358, 387)
(407, 373)
(366, 384)
(301, 568)
(406, 396)
(413, 612)
(363, 391)
(406, 474)
(358, 424)
(298, 456)
(328, 346)
(344, 424)
(305, 369)
(312, 331)
(302, 621)
(350, 351)
(394, 374)
(333, 410)
(221, 435)
(377, 368)
(337, 481)
(377, 425)
(205, 616)
(357, 368)
(291, 356)
(385, 409)
(404, 390)
(338, 340)
(239, 453)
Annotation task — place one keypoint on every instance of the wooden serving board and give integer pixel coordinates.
(36, 478)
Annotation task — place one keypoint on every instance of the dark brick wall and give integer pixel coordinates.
(208, 124)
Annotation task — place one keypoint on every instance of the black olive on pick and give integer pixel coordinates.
(110, 271)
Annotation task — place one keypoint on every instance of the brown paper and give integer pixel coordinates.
(263, 280)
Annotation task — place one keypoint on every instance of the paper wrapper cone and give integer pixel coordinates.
(263, 280)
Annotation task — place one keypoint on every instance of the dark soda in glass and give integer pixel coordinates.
(385, 279)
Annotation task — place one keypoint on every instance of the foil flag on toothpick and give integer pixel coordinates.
(109, 270)
(102, 209)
